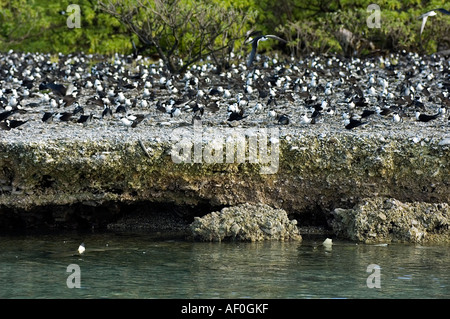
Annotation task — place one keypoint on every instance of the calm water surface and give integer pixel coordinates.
(118, 265)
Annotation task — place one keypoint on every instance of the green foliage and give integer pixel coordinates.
(318, 26)
(308, 25)
(182, 32)
(41, 25)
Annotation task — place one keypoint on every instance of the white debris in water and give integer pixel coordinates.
(328, 242)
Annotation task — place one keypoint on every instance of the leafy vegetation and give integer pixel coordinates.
(189, 30)
(181, 32)
(41, 25)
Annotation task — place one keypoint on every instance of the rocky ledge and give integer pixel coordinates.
(51, 182)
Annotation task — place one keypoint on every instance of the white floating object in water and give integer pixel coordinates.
(81, 249)
(327, 242)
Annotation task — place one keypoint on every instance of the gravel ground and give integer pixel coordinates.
(401, 83)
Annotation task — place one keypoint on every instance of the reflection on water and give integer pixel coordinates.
(140, 266)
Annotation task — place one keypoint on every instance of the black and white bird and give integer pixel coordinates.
(385, 111)
(10, 124)
(255, 42)
(64, 116)
(48, 117)
(6, 114)
(396, 117)
(431, 13)
(236, 116)
(367, 113)
(425, 117)
(283, 119)
(85, 119)
(132, 120)
(107, 112)
(351, 123)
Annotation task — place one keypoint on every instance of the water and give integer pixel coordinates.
(124, 265)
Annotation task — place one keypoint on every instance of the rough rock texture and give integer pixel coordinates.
(389, 220)
(246, 223)
(318, 171)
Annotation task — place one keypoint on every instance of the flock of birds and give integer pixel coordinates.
(128, 90)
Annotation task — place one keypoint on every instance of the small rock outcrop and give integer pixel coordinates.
(389, 220)
(246, 222)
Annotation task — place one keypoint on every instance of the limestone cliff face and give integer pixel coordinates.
(314, 170)
(317, 170)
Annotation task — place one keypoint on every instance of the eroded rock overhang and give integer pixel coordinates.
(316, 170)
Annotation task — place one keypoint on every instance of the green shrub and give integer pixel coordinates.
(182, 32)
(41, 25)
(309, 25)
(318, 27)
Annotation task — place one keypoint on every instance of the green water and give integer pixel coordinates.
(118, 265)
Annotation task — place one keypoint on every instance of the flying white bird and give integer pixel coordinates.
(431, 13)
(255, 42)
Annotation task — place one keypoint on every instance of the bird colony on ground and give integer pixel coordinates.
(126, 93)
